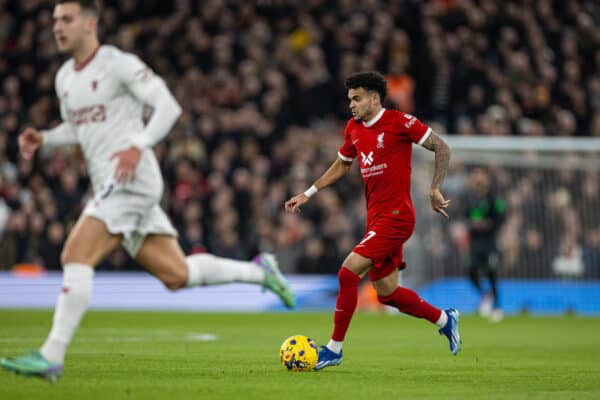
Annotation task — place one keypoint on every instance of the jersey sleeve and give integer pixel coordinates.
(65, 133)
(414, 130)
(347, 151)
(136, 76)
(149, 89)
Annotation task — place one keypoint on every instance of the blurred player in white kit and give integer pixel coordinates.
(102, 92)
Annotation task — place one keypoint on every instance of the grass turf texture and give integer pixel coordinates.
(151, 355)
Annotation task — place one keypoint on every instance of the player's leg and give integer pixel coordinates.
(355, 266)
(409, 302)
(496, 313)
(478, 262)
(406, 300)
(162, 256)
(88, 243)
(493, 279)
(473, 271)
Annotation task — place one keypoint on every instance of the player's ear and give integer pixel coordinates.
(91, 22)
(375, 97)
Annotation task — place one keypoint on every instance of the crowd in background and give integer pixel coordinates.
(261, 85)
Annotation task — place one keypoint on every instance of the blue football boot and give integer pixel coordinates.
(328, 358)
(450, 330)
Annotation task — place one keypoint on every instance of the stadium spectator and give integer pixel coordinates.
(267, 77)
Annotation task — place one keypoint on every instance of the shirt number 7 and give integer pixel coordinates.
(369, 235)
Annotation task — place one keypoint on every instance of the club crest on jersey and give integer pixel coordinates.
(380, 140)
(367, 159)
(94, 85)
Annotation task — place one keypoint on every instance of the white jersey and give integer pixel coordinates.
(101, 103)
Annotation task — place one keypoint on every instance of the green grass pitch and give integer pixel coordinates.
(171, 356)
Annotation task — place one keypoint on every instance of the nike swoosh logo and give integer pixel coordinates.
(355, 141)
(338, 309)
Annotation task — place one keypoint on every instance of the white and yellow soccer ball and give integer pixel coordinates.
(298, 353)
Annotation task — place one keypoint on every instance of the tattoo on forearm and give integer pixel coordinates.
(442, 158)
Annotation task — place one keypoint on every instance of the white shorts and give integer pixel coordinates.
(132, 215)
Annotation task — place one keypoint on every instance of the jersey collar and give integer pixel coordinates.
(374, 120)
(84, 63)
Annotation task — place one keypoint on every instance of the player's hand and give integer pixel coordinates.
(293, 204)
(127, 162)
(438, 203)
(29, 141)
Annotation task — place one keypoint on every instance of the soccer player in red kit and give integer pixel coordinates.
(382, 141)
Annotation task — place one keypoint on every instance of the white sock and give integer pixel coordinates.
(70, 307)
(207, 269)
(335, 346)
(443, 320)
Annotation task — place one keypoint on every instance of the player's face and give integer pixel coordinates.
(71, 25)
(362, 103)
(480, 180)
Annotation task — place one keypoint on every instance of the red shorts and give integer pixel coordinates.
(382, 244)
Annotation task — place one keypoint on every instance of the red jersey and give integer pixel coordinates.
(384, 149)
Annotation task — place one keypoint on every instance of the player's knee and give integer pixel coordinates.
(348, 278)
(177, 279)
(68, 256)
(76, 253)
(386, 300)
(385, 288)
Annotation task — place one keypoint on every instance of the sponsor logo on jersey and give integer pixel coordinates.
(377, 169)
(367, 159)
(94, 85)
(88, 115)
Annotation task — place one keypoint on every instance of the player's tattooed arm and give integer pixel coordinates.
(442, 158)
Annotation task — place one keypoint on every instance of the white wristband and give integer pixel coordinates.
(311, 191)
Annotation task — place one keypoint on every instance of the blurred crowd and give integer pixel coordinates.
(261, 85)
(550, 224)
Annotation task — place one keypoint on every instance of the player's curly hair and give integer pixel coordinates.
(90, 6)
(371, 81)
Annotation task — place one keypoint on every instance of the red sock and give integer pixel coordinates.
(346, 303)
(409, 302)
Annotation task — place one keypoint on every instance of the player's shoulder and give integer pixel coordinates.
(350, 125)
(404, 121)
(397, 114)
(108, 52)
(121, 63)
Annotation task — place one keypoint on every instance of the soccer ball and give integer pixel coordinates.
(298, 353)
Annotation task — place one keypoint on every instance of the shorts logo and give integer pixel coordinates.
(367, 159)
(105, 192)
